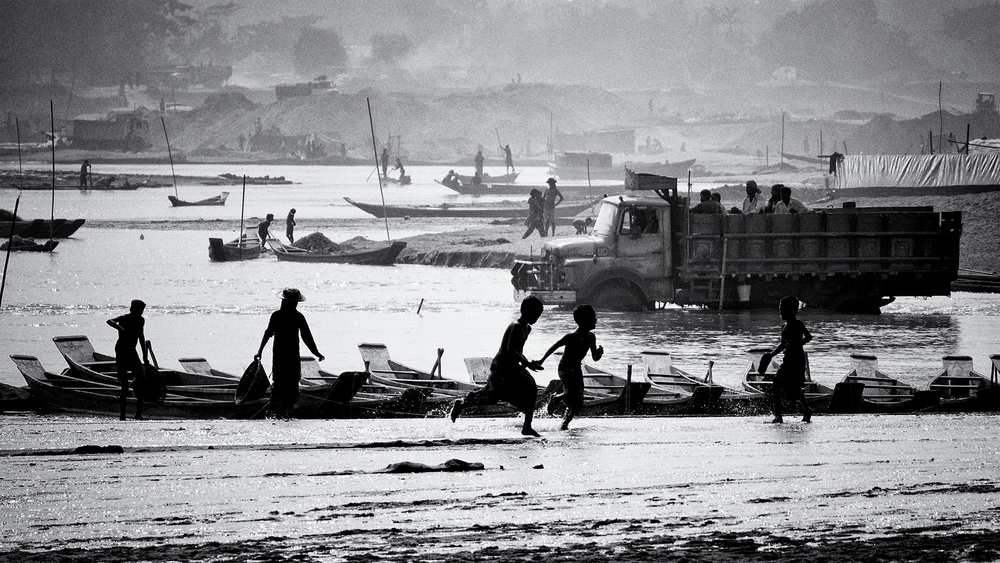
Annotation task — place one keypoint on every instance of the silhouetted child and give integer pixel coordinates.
(130, 332)
(791, 376)
(577, 344)
(509, 380)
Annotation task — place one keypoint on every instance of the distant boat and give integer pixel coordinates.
(216, 200)
(487, 179)
(573, 166)
(395, 211)
(37, 228)
(525, 189)
(384, 255)
(18, 244)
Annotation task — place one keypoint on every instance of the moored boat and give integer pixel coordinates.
(18, 244)
(382, 255)
(818, 395)
(246, 248)
(866, 389)
(487, 178)
(962, 389)
(214, 200)
(398, 211)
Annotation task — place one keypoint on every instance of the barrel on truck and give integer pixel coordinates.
(646, 251)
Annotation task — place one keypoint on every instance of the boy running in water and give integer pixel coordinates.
(791, 376)
(509, 379)
(577, 344)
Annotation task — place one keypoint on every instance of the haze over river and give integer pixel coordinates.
(608, 481)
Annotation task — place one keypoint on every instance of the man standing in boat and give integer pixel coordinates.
(285, 326)
(508, 159)
(479, 163)
(384, 160)
(130, 332)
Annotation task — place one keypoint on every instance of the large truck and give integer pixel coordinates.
(646, 251)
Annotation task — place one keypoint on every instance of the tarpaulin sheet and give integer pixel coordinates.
(919, 171)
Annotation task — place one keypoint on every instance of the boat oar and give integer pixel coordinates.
(437, 364)
(149, 347)
(375, 149)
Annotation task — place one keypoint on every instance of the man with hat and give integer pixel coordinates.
(549, 209)
(286, 369)
(753, 203)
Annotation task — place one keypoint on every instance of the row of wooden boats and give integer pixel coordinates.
(249, 248)
(387, 388)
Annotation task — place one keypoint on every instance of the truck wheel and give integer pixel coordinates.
(618, 295)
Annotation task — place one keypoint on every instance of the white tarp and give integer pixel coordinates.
(917, 173)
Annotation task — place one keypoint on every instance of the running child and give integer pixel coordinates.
(791, 376)
(577, 344)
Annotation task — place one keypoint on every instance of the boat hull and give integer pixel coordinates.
(383, 256)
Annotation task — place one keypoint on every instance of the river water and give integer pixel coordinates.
(197, 482)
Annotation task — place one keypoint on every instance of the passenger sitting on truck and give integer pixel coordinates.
(788, 204)
(707, 204)
(775, 198)
(752, 203)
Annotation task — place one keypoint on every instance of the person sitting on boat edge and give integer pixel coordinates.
(752, 203)
(577, 344)
(263, 229)
(707, 204)
(130, 332)
(451, 179)
(509, 380)
(791, 375)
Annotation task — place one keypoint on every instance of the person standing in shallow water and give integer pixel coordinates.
(264, 229)
(130, 327)
(577, 344)
(791, 376)
(509, 380)
(290, 226)
(85, 174)
(285, 326)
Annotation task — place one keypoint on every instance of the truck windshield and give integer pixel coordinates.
(605, 224)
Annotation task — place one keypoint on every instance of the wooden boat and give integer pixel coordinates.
(572, 166)
(246, 248)
(508, 178)
(525, 189)
(604, 394)
(215, 200)
(67, 393)
(710, 398)
(18, 244)
(818, 395)
(964, 390)
(198, 380)
(382, 256)
(39, 228)
(402, 180)
(395, 211)
(865, 389)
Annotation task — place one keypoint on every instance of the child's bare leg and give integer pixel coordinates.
(568, 417)
(527, 430)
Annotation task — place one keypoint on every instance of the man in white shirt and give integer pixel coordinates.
(789, 204)
(752, 203)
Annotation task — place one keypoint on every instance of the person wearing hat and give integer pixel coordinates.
(753, 203)
(549, 210)
(535, 214)
(285, 326)
(130, 332)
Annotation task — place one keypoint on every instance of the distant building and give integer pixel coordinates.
(318, 84)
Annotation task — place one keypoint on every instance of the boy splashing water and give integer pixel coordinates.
(791, 376)
(577, 344)
(509, 379)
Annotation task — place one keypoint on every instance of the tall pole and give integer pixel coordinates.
(385, 214)
(10, 244)
(940, 118)
(782, 161)
(243, 204)
(52, 209)
(968, 130)
(170, 155)
(20, 168)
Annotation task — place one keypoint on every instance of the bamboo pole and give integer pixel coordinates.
(10, 245)
(385, 214)
(170, 155)
(52, 208)
(243, 203)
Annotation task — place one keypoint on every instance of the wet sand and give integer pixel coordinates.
(846, 488)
